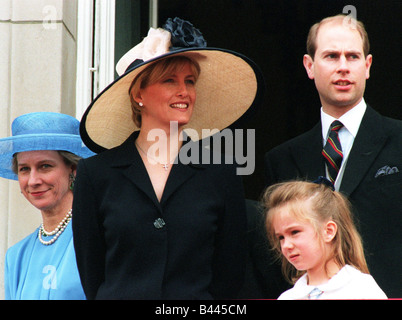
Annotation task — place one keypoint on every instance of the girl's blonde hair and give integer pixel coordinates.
(153, 74)
(326, 205)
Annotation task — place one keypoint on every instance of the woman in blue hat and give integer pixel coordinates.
(42, 154)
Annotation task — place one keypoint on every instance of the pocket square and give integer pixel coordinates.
(386, 170)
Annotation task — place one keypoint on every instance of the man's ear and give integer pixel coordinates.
(330, 231)
(369, 61)
(309, 65)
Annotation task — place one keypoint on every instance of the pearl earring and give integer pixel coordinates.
(140, 104)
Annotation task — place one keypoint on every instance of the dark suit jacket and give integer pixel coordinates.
(198, 254)
(263, 279)
(377, 201)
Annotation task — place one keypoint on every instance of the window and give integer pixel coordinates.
(106, 30)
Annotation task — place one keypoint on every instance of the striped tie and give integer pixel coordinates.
(332, 151)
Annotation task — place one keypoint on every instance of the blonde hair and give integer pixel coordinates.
(312, 35)
(153, 74)
(326, 205)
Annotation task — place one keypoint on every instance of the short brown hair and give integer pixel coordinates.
(154, 73)
(312, 35)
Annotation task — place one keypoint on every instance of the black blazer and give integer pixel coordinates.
(375, 195)
(124, 253)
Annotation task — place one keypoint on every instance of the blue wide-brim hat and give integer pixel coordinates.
(41, 131)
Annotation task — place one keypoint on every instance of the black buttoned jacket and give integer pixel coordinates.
(197, 250)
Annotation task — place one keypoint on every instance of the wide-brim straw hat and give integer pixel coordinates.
(41, 131)
(229, 85)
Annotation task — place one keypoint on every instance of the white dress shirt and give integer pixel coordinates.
(351, 122)
(348, 283)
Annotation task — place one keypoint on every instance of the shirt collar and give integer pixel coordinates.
(301, 289)
(351, 119)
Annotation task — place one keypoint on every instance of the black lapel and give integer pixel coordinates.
(129, 161)
(182, 172)
(368, 142)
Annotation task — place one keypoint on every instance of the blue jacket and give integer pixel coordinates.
(34, 271)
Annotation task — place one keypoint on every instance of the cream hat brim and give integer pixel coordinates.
(228, 85)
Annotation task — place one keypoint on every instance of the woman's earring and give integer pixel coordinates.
(140, 104)
(72, 179)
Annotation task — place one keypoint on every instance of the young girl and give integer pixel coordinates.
(311, 228)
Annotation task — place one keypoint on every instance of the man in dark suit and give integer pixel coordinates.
(370, 150)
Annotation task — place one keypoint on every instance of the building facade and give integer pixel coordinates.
(55, 55)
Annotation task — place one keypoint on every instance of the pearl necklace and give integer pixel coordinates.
(164, 165)
(56, 232)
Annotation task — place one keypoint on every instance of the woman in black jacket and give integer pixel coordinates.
(156, 217)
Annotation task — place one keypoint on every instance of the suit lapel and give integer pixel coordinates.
(368, 143)
(180, 172)
(306, 154)
(129, 161)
